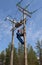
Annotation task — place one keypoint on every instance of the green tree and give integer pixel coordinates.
(32, 59)
(15, 57)
(7, 60)
(2, 57)
(21, 54)
(39, 51)
(8, 56)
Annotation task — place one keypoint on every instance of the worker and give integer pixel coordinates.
(19, 36)
(20, 32)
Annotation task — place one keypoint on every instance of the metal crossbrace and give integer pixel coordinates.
(25, 11)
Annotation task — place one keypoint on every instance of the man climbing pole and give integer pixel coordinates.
(19, 35)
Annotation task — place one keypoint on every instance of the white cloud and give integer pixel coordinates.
(34, 36)
(37, 34)
(30, 29)
(34, 30)
(4, 29)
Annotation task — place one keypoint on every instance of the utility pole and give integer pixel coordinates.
(12, 42)
(12, 47)
(25, 49)
(24, 30)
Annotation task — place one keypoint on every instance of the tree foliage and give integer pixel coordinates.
(32, 59)
(39, 51)
(7, 58)
(2, 57)
(18, 58)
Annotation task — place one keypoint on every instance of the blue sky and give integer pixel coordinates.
(33, 25)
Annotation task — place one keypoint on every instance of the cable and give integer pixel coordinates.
(19, 2)
(28, 4)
